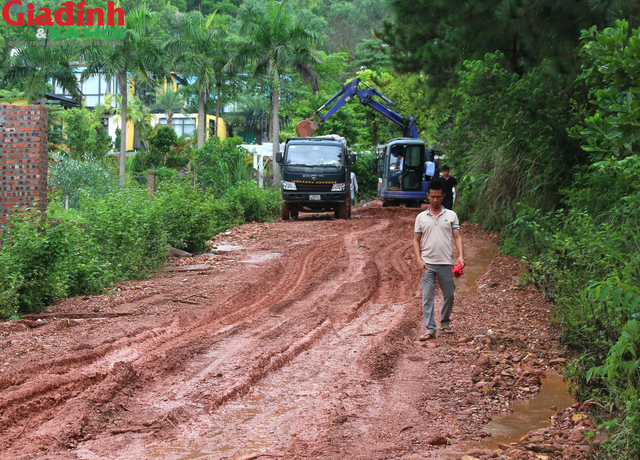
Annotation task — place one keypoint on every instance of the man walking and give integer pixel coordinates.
(449, 184)
(436, 229)
(354, 190)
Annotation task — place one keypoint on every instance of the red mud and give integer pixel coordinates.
(295, 339)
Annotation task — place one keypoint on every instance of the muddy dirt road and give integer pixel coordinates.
(294, 339)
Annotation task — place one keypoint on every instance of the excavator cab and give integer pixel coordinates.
(401, 168)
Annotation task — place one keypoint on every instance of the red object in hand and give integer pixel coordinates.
(457, 270)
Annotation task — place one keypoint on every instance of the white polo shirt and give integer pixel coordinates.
(437, 235)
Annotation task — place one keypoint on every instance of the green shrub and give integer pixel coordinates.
(187, 213)
(220, 165)
(69, 176)
(38, 262)
(84, 135)
(163, 174)
(116, 236)
(258, 205)
(162, 145)
(130, 236)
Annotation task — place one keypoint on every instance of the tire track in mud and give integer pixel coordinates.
(82, 378)
(287, 339)
(292, 361)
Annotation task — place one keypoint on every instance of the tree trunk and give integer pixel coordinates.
(275, 126)
(201, 118)
(124, 90)
(169, 119)
(218, 106)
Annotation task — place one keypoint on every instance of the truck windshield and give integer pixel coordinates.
(326, 156)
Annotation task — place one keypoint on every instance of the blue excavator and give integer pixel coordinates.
(405, 167)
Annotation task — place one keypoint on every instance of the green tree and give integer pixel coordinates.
(137, 113)
(139, 54)
(169, 101)
(510, 141)
(222, 164)
(33, 66)
(68, 176)
(436, 36)
(162, 145)
(254, 111)
(202, 51)
(276, 42)
(84, 135)
(611, 67)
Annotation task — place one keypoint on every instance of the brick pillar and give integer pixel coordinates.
(23, 158)
(151, 181)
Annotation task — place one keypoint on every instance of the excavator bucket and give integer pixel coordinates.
(306, 128)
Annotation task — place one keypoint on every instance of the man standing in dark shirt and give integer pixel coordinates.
(449, 183)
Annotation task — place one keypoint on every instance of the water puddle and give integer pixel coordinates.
(476, 267)
(257, 258)
(247, 426)
(227, 248)
(527, 415)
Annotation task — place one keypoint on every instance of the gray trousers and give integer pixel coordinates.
(428, 281)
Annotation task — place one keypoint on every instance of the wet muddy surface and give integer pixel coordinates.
(523, 416)
(295, 339)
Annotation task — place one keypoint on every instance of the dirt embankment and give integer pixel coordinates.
(291, 340)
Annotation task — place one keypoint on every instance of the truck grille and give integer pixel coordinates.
(314, 187)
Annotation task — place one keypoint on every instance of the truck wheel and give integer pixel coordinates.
(285, 210)
(343, 210)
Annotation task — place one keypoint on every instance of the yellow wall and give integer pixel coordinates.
(21, 101)
(221, 128)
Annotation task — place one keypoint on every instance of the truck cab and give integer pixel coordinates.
(316, 176)
(405, 168)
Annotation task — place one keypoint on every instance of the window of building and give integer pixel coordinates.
(93, 89)
(181, 125)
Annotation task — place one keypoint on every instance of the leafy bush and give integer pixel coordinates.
(69, 176)
(510, 140)
(43, 259)
(131, 237)
(611, 69)
(162, 145)
(620, 373)
(220, 165)
(188, 215)
(258, 205)
(84, 135)
(163, 174)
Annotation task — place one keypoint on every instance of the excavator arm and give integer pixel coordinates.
(306, 128)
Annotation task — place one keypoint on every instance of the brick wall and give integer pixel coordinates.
(23, 158)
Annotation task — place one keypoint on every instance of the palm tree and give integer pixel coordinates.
(202, 51)
(139, 54)
(36, 65)
(276, 42)
(137, 113)
(252, 114)
(169, 101)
